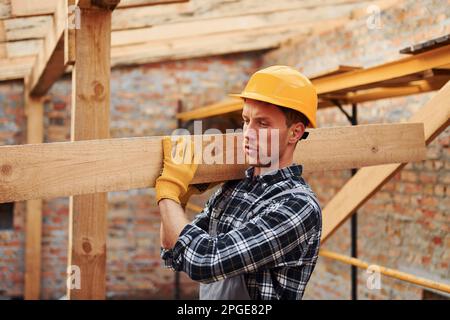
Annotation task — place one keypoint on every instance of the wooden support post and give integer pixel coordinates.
(90, 120)
(435, 116)
(34, 110)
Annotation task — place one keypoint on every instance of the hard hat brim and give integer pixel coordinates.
(259, 97)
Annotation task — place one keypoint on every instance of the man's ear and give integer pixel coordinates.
(296, 132)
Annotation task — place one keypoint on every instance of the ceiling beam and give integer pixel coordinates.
(198, 10)
(35, 27)
(182, 30)
(208, 45)
(210, 8)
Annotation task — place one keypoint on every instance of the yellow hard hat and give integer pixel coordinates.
(284, 87)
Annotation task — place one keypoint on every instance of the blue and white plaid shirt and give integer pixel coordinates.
(266, 227)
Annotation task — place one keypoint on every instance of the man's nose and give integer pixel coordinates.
(250, 133)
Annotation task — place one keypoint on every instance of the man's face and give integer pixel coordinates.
(265, 133)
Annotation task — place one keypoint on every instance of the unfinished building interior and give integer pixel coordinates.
(88, 87)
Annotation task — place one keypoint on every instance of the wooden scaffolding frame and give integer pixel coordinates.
(88, 159)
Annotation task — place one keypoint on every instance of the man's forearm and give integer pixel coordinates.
(173, 220)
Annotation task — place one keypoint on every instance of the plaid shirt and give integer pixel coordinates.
(266, 227)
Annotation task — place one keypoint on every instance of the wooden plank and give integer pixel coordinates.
(34, 110)
(196, 47)
(361, 96)
(333, 71)
(50, 60)
(5, 9)
(435, 117)
(31, 8)
(44, 74)
(378, 74)
(182, 30)
(15, 68)
(199, 10)
(396, 274)
(214, 44)
(2, 31)
(23, 8)
(223, 107)
(36, 27)
(43, 171)
(25, 28)
(90, 120)
(23, 48)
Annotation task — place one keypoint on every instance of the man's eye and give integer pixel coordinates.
(263, 124)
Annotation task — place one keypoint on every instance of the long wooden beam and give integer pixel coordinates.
(435, 117)
(34, 110)
(374, 94)
(90, 120)
(258, 30)
(206, 45)
(147, 52)
(175, 10)
(396, 274)
(377, 74)
(83, 167)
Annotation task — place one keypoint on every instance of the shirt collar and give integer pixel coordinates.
(275, 175)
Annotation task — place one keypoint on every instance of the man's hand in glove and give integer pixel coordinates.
(178, 169)
(196, 189)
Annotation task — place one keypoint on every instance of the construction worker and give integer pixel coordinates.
(256, 238)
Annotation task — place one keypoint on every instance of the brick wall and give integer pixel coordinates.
(406, 224)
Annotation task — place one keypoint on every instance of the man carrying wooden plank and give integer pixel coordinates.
(259, 237)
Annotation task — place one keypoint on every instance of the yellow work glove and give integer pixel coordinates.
(178, 169)
(196, 189)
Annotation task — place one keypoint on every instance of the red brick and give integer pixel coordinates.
(426, 177)
(437, 240)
